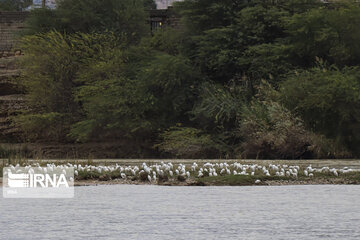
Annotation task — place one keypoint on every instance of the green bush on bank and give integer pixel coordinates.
(92, 73)
(328, 99)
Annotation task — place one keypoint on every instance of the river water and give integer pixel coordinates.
(158, 212)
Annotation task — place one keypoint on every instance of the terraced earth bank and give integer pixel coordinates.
(11, 94)
(11, 98)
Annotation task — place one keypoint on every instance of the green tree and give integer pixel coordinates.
(186, 142)
(328, 32)
(240, 39)
(41, 20)
(149, 4)
(113, 104)
(328, 99)
(51, 64)
(129, 93)
(126, 17)
(14, 5)
(49, 68)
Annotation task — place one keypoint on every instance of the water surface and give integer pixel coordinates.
(157, 212)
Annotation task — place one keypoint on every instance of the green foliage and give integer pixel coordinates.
(270, 131)
(149, 4)
(129, 93)
(49, 68)
(41, 20)
(185, 142)
(330, 33)
(110, 98)
(328, 99)
(92, 71)
(248, 44)
(51, 64)
(50, 126)
(219, 105)
(166, 40)
(171, 81)
(202, 15)
(14, 5)
(125, 17)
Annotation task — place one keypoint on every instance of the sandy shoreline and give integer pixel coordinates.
(195, 182)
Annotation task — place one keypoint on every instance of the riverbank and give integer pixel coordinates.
(353, 179)
(223, 181)
(205, 172)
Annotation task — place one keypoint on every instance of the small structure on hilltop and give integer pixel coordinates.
(161, 18)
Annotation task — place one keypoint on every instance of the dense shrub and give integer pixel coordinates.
(14, 5)
(328, 99)
(185, 142)
(330, 33)
(125, 17)
(270, 131)
(49, 68)
(112, 101)
(100, 75)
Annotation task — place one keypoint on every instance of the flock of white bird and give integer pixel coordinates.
(154, 171)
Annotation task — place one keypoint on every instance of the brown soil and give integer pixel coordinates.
(194, 182)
